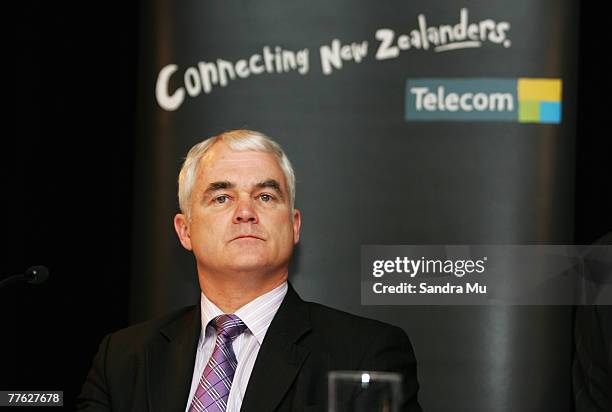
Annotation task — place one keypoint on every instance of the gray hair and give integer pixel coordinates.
(241, 140)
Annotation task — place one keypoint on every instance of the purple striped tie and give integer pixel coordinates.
(214, 387)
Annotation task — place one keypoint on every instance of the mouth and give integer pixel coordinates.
(247, 237)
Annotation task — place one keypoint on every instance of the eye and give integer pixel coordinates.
(221, 199)
(266, 197)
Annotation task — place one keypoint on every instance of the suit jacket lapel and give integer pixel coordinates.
(170, 359)
(280, 358)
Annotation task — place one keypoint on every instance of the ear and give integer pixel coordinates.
(181, 225)
(297, 223)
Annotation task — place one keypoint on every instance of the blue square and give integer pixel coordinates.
(550, 112)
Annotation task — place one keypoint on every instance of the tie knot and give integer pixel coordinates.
(229, 326)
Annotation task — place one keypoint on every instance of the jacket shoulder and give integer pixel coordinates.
(339, 332)
(341, 320)
(134, 336)
(116, 376)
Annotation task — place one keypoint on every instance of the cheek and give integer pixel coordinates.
(205, 236)
(286, 234)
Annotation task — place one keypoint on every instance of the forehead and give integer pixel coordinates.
(221, 163)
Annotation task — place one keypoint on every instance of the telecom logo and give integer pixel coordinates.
(523, 100)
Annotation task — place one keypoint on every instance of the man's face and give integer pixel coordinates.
(241, 219)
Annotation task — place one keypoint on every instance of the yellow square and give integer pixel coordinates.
(548, 90)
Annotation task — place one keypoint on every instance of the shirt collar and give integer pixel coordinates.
(256, 315)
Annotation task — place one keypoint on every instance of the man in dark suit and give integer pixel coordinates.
(252, 344)
(592, 365)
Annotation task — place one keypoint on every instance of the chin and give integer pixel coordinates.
(248, 263)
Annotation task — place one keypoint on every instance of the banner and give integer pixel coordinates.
(408, 123)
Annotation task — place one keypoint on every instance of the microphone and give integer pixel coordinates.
(34, 275)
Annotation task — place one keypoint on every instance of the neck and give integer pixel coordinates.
(230, 293)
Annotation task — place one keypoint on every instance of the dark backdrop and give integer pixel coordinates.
(68, 181)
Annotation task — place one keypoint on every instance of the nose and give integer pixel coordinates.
(245, 212)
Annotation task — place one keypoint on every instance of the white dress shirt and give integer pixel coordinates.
(257, 316)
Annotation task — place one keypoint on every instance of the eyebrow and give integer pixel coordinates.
(272, 184)
(268, 183)
(214, 186)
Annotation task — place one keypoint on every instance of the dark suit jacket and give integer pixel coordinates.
(592, 368)
(149, 366)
